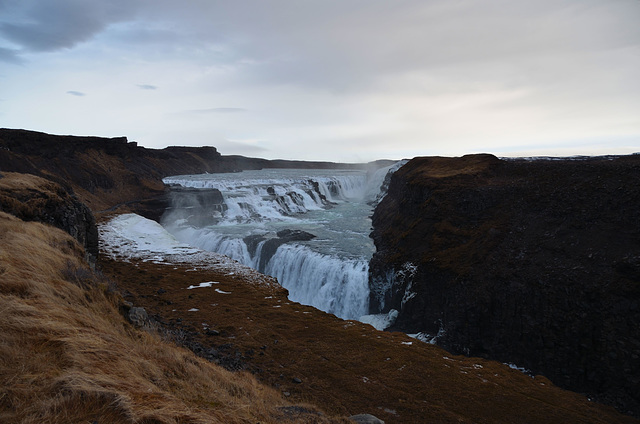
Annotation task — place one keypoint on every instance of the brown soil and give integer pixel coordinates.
(345, 366)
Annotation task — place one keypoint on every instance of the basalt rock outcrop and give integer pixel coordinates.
(535, 263)
(271, 244)
(199, 207)
(32, 198)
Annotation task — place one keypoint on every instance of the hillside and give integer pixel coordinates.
(531, 262)
(69, 356)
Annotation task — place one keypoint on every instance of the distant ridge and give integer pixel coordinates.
(106, 172)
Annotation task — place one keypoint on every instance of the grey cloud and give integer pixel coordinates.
(56, 24)
(76, 93)
(348, 45)
(10, 56)
(147, 87)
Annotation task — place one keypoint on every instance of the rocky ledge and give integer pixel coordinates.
(31, 198)
(535, 263)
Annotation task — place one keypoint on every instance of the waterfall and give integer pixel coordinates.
(307, 228)
(334, 285)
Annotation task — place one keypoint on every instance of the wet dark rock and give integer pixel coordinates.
(252, 242)
(295, 235)
(290, 197)
(198, 206)
(271, 245)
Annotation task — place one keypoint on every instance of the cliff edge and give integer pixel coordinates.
(115, 173)
(32, 198)
(104, 172)
(535, 263)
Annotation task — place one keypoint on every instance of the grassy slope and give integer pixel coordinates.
(67, 354)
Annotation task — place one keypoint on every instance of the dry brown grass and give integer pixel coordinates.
(24, 195)
(346, 367)
(445, 167)
(67, 355)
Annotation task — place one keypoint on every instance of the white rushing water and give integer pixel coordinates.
(265, 220)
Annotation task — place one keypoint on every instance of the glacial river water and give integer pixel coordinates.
(329, 271)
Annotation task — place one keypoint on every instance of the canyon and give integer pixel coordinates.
(534, 263)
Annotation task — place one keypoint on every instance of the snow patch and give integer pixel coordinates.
(521, 369)
(130, 237)
(201, 285)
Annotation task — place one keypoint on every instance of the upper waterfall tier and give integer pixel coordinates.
(276, 194)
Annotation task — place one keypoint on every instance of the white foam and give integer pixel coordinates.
(380, 321)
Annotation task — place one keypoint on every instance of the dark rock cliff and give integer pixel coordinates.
(535, 263)
(107, 173)
(31, 198)
(103, 172)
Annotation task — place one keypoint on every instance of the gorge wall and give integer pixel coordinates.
(109, 172)
(535, 263)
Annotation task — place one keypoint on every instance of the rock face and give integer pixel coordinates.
(107, 173)
(535, 263)
(271, 244)
(103, 171)
(31, 198)
(366, 419)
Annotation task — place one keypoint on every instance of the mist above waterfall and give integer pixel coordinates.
(308, 228)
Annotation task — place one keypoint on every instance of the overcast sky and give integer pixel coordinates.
(348, 80)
